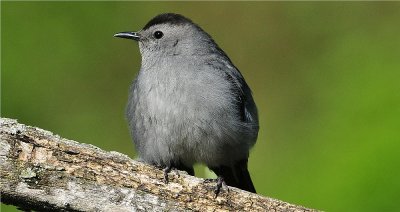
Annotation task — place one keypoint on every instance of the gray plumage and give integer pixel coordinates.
(189, 103)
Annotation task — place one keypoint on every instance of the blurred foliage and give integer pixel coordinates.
(325, 76)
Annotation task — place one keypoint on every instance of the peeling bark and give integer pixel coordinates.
(42, 171)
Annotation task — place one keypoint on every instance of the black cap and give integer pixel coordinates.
(167, 18)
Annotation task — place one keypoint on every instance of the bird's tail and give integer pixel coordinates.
(237, 176)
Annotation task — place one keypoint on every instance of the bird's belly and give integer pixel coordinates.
(175, 123)
(162, 123)
(182, 133)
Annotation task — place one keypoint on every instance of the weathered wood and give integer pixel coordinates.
(43, 171)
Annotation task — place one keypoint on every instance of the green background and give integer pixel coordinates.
(325, 77)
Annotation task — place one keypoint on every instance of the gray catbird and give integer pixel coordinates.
(189, 103)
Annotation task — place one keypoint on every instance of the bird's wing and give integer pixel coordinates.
(245, 101)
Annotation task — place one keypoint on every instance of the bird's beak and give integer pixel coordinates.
(128, 35)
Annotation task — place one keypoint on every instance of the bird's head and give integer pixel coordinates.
(170, 34)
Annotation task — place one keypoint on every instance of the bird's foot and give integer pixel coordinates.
(166, 171)
(220, 183)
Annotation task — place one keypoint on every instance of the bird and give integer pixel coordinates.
(190, 104)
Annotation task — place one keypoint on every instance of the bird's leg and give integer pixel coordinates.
(220, 182)
(166, 171)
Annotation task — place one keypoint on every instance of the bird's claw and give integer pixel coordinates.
(220, 183)
(166, 171)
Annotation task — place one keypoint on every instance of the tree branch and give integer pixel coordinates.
(42, 171)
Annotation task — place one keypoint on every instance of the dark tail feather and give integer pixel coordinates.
(243, 175)
(237, 176)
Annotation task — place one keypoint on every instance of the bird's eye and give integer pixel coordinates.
(158, 34)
